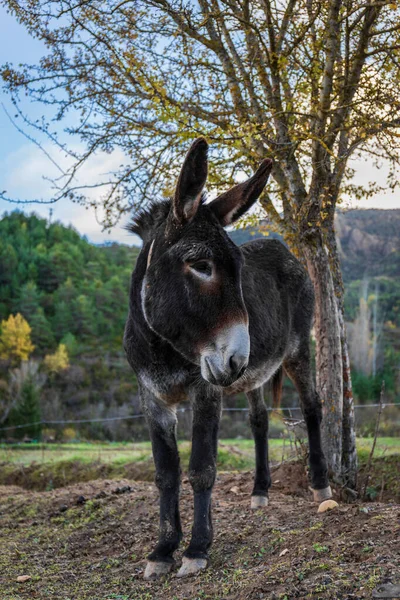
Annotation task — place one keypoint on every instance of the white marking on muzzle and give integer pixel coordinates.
(223, 360)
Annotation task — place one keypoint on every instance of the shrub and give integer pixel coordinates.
(69, 434)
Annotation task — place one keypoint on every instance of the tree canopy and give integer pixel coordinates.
(310, 83)
(15, 339)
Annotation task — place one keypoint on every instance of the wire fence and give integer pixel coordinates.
(99, 420)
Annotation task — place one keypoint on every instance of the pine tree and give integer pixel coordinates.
(28, 409)
(28, 303)
(42, 334)
(62, 321)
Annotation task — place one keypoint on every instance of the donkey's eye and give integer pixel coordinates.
(202, 267)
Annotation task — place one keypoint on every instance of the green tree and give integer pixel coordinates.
(48, 277)
(76, 268)
(8, 263)
(62, 320)
(67, 260)
(69, 341)
(8, 266)
(67, 292)
(25, 385)
(85, 322)
(42, 334)
(28, 409)
(28, 303)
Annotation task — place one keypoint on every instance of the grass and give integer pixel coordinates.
(49, 466)
(233, 453)
(26, 454)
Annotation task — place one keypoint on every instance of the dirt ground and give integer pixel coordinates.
(88, 541)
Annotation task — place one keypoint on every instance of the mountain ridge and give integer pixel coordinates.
(368, 242)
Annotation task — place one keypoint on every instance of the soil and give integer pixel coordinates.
(383, 483)
(88, 541)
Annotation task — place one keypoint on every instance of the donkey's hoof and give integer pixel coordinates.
(321, 495)
(191, 566)
(154, 570)
(327, 505)
(259, 501)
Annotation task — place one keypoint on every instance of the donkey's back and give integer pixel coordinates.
(279, 298)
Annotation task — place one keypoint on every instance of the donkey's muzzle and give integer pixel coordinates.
(225, 360)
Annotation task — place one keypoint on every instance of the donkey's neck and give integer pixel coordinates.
(135, 303)
(147, 344)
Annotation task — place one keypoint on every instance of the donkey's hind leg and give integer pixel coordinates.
(299, 370)
(259, 428)
(162, 424)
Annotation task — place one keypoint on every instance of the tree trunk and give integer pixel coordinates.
(349, 452)
(329, 362)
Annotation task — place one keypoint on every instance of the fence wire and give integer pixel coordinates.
(180, 410)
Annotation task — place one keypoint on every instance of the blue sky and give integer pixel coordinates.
(22, 165)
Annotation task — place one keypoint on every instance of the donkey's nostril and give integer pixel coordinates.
(233, 363)
(237, 363)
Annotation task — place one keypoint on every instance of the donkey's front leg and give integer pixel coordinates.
(162, 424)
(202, 472)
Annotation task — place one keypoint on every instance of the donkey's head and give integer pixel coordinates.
(192, 292)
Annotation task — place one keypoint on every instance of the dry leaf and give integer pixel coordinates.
(285, 551)
(235, 490)
(23, 578)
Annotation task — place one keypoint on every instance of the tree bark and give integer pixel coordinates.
(329, 361)
(349, 452)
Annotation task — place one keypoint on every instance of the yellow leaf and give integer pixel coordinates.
(58, 361)
(15, 339)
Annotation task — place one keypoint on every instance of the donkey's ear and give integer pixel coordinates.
(191, 182)
(235, 202)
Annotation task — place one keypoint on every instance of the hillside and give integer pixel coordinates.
(65, 287)
(369, 243)
(74, 292)
(369, 247)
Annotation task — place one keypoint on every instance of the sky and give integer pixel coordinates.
(24, 168)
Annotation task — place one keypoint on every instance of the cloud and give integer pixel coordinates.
(366, 171)
(25, 175)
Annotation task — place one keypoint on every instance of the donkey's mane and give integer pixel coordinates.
(148, 218)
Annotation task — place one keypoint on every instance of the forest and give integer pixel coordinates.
(73, 295)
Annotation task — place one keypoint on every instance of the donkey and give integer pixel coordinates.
(208, 318)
